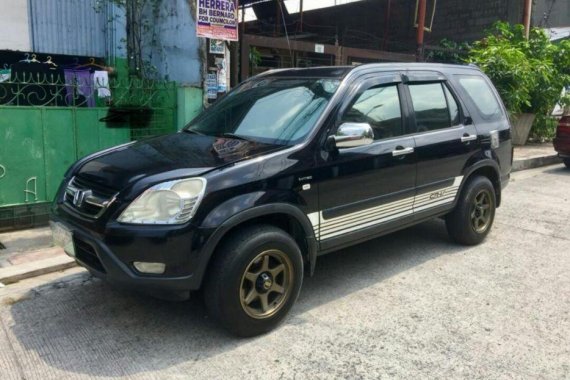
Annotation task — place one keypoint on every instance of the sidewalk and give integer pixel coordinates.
(533, 156)
(29, 253)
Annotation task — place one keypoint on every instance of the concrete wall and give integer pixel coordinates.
(175, 51)
(14, 26)
(551, 13)
(116, 32)
(173, 48)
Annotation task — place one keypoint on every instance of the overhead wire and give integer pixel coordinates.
(285, 26)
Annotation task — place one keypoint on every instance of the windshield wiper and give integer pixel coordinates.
(193, 132)
(234, 136)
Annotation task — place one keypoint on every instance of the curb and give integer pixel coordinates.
(21, 272)
(535, 162)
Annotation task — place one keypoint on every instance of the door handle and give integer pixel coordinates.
(467, 137)
(402, 151)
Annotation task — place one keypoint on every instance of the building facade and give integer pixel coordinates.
(67, 89)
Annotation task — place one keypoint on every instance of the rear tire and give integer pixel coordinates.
(254, 280)
(472, 218)
(567, 162)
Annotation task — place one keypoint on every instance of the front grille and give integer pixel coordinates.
(88, 198)
(102, 190)
(87, 255)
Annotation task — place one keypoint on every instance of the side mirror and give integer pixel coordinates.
(350, 135)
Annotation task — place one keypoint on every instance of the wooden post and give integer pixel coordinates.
(526, 17)
(244, 58)
(421, 27)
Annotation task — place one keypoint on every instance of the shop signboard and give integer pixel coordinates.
(217, 19)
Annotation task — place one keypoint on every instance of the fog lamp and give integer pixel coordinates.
(150, 268)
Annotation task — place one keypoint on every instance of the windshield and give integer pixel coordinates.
(268, 110)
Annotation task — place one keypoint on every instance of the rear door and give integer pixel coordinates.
(365, 190)
(445, 138)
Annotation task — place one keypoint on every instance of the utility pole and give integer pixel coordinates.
(526, 17)
(421, 27)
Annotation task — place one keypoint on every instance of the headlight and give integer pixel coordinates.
(173, 202)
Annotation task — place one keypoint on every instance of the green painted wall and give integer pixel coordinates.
(190, 104)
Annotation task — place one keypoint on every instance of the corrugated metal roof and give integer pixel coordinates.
(72, 27)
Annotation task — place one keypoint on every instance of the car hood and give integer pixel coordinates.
(196, 154)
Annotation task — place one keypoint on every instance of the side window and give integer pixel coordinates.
(430, 106)
(482, 96)
(453, 107)
(380, 107)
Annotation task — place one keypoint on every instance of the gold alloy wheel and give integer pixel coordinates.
(266, 284)
(481, 211)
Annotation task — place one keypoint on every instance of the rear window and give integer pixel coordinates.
(482, 96)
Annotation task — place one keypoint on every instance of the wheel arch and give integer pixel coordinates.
(281, 215)
(489, 169)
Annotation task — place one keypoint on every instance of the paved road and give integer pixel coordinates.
(409, 305)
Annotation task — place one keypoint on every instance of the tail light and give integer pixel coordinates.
(564, 127)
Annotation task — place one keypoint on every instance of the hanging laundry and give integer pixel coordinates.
(79, 88)
(5, 88)
(101, 81)
(5, 75)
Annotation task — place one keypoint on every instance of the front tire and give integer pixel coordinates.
(254, 280)
(567, 162)
(472, 218)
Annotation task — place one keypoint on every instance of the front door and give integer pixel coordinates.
(364, 190)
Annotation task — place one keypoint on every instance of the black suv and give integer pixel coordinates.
(290, 165)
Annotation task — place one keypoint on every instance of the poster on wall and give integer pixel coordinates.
(222, 73)
(217, 46)
(217, 19)
(212, 86)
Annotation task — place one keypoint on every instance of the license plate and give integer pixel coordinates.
(63, 237)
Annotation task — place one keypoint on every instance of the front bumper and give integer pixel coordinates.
(110, 255)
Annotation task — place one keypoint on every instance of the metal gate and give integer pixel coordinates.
(40, 136)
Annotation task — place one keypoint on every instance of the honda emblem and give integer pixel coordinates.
(79, 197)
